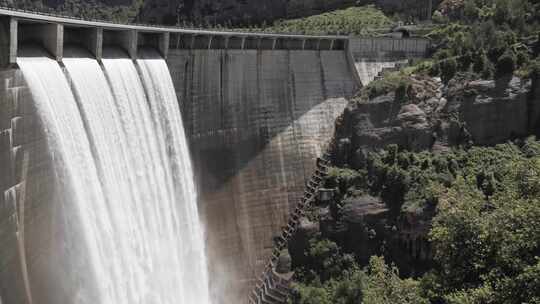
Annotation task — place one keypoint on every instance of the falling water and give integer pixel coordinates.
(138, 204)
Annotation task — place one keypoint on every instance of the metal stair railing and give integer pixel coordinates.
(271, 289)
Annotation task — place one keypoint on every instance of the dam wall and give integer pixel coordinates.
(373, 55)
(258, 109)
(29, 205)
(257, 120)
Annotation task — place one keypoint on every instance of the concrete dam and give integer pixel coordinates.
(92, 124)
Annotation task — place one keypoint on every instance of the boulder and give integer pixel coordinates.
(364, 225)
(299, 242)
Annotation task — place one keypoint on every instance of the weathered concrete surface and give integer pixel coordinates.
(256, 121)
(20, 132)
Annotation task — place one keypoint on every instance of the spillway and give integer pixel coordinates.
(117, 141)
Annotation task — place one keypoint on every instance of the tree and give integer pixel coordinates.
(506, 64)
(448, 69)
(486, 247)
(384, 286)
(304, 294)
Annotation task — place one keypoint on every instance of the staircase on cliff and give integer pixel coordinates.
(272, 287)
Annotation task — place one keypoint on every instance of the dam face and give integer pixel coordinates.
(258, 109)
(256, 119)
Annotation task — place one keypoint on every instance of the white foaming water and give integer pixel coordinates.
(75, 171)
(166, 113)
(142, 225)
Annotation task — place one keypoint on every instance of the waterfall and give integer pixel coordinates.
(119, 143)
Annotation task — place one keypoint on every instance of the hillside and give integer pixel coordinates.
(211, 12)
(353, 20)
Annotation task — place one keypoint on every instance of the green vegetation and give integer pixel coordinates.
(487, 37)
(483, 38)
(485, 233)
(390, 83)
(87, 9)
(354, 20)
(378, 283)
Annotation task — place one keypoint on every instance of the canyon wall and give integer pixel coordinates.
(256, 120)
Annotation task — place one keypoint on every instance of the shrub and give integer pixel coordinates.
(435, 70)
(506, 64)
(466, 61)
(482, 65)
(471, 10)
(522, 58)
(386, 287)
(448, 69)
(402, 92)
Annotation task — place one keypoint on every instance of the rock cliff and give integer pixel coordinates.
(432, 117)
(436, 117)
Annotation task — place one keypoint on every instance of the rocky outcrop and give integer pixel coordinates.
(364, 226)
(492, 111)
(428, 116)
(436, 117)
(300, 240)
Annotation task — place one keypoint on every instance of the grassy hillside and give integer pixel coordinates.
(353, 20)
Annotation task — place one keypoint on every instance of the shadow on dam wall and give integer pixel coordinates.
(256, 121)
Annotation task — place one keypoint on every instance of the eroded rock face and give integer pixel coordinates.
(364, 225)
(436, 117)
(300, 241)
(492, 111)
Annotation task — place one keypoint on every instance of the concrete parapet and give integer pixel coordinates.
(52, 32)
